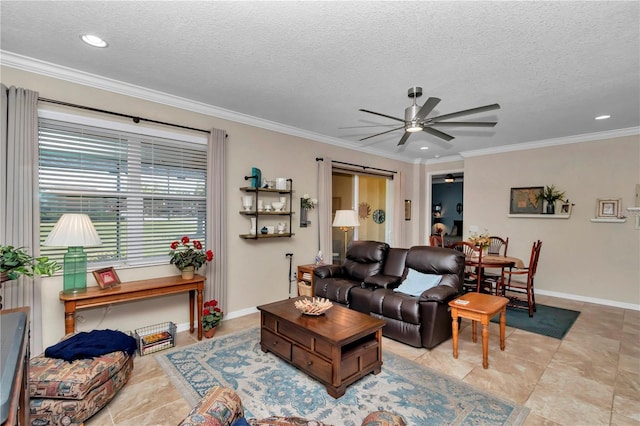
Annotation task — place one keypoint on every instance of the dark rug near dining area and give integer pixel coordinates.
(547, 320)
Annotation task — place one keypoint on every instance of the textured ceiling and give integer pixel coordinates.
(552, 66)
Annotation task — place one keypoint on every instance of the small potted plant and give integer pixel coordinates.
(550, 194)
(480, 240)
(211, 317)
(15, 261)
(189, 256)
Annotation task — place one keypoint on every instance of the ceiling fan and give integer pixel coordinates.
(415, 118)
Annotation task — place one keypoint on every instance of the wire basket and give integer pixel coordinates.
(155, 338)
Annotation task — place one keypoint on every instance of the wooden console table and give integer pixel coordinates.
(135, 290)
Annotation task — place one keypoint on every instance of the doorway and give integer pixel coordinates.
(447, 208)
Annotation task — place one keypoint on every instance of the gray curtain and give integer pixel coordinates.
(324, 209)
(20, 209)
(216, 284)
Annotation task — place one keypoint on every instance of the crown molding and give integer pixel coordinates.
(71, 75)
(587, 137)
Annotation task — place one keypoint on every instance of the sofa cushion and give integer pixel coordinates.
(220, 406)
(365, 258)
(417, 282)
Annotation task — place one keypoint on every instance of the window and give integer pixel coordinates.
(141, 191)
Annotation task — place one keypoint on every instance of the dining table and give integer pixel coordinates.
(494, 261)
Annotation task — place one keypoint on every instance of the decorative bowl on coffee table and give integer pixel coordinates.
(316, 306)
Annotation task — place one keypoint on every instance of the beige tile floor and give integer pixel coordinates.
(591, 377)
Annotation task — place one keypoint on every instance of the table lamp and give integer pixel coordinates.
(74, 231)
(344, 220)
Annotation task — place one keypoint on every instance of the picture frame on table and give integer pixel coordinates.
(526, 200)
(106, 277)
(608, 208)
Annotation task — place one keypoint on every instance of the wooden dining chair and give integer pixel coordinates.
(498, 246)
(523, 283)
(436, 241)
(473, 273)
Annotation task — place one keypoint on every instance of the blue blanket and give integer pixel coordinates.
(92, 344)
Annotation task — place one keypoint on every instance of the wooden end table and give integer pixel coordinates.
(479, 307)
(336, 348)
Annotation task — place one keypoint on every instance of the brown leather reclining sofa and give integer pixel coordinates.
(370, 273)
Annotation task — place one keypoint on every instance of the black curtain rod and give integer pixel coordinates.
(133, 117)
(363, 167)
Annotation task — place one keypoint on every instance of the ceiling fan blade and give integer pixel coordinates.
(382, 115)
(465, 112)
(373, 125)
(378, 134)
(427, 108)
(465, 124)
(404, 138)
(437, 133)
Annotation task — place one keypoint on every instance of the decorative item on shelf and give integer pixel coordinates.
(189, 256)
(526, 200)
(247, 202)
(264, 230)
(306, 203)
(211, 317)
(316, 306)
(608, 208)
(74, 231)
(480, 240)
(256, 177)
(281, 183)
(254, 222)
(550, 194)
(344, 220)
(566, 207)
(277, 206)
(283, 200)
(281, 227)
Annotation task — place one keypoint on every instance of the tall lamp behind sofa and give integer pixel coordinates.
(344, 220)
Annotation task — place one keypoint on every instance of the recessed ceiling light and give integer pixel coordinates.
(94, 41)
(424, 147)
(602, 117)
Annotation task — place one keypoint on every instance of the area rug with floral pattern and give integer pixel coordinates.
(269, 386)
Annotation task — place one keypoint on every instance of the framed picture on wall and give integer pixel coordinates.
(526, 200)
(608, 208)
(407, 209)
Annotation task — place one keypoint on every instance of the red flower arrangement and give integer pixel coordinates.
(189, 253)
(211, 314)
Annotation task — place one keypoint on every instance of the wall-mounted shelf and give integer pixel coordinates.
(260, 236)
(540, 216)
(609, 220)
(268, 194)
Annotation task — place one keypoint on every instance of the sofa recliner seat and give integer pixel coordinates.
(420, 321)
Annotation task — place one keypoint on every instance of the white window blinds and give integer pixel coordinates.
(141, 192)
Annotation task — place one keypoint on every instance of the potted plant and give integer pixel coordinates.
(211, 317)
(16, 261)
(188, 256)
(480, 240)
(550, 194)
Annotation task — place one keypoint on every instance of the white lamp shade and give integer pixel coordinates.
(346, 218)
(73, 230)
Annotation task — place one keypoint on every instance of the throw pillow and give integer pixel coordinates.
(417, 282)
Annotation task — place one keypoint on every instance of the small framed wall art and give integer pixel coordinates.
(407, 209)
(526, 200)
(608, 208)
(106, 277)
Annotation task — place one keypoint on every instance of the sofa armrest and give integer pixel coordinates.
(383, 281)
(439, 293)
(220, 406)
(328, 271)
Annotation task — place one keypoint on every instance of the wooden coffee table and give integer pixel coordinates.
(336, 348)
(482, 307)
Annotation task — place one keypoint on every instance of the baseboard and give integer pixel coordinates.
(606, 302)
(236, 314)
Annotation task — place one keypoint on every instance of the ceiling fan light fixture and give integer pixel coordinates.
(449, 178)
(413, 127)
